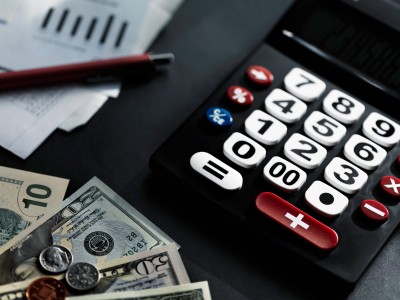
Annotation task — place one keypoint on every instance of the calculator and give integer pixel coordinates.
(301, 140)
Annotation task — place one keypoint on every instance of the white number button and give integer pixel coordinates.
(381, 130)
(325, 199)
(284, 174)
(243, 151)
(363, 152)
(342, 107)
(264, 128)
(304, 152)
(284, 106)
(216, 171)
(345, 176)
(304, 85)
(323, 129)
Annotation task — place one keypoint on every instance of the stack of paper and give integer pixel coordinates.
(39, 33)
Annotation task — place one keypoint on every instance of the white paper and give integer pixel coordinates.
(40, 112)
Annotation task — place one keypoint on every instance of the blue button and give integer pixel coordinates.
(219, 116)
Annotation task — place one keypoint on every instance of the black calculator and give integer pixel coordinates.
(301, 141)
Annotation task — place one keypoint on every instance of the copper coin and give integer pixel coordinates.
(46, 288)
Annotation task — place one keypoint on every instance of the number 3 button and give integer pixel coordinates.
(345, 176)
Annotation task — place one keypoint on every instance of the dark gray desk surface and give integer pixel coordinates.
(208, 38)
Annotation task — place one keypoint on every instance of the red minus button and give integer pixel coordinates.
(294, 219)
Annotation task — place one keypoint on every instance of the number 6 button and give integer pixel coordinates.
(363, 152)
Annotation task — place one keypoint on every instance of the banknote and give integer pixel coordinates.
(159, 267)
(193, 291)
(97, 226)
(25, 198)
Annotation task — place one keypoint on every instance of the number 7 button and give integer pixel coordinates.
(294, 219)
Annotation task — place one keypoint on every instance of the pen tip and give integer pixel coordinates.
(162, 58)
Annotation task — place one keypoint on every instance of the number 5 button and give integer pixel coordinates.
(323, 129)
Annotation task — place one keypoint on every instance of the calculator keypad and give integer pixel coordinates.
(288, 148)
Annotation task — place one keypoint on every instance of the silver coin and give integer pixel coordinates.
(82, 276)
(55, 259)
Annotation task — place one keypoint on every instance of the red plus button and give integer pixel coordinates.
(294, 219)
(240, 95)
(259, 75)
(391, 185)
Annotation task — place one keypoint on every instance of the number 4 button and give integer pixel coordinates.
(284, 106)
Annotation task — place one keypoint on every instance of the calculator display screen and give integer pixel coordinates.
(355, 40)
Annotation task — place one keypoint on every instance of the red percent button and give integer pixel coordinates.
(374, 210)
(294, 219)
(240, 95)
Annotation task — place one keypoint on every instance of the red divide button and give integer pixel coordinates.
(259, 75)
(294, 219)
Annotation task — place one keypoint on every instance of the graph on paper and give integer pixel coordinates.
(101, 30)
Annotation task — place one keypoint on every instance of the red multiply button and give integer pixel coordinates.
(391, 185)
(297, 221)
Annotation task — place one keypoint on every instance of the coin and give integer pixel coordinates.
(82, 276)
(46, 288)
(55, 259)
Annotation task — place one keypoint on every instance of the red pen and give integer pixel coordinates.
(136, 66)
